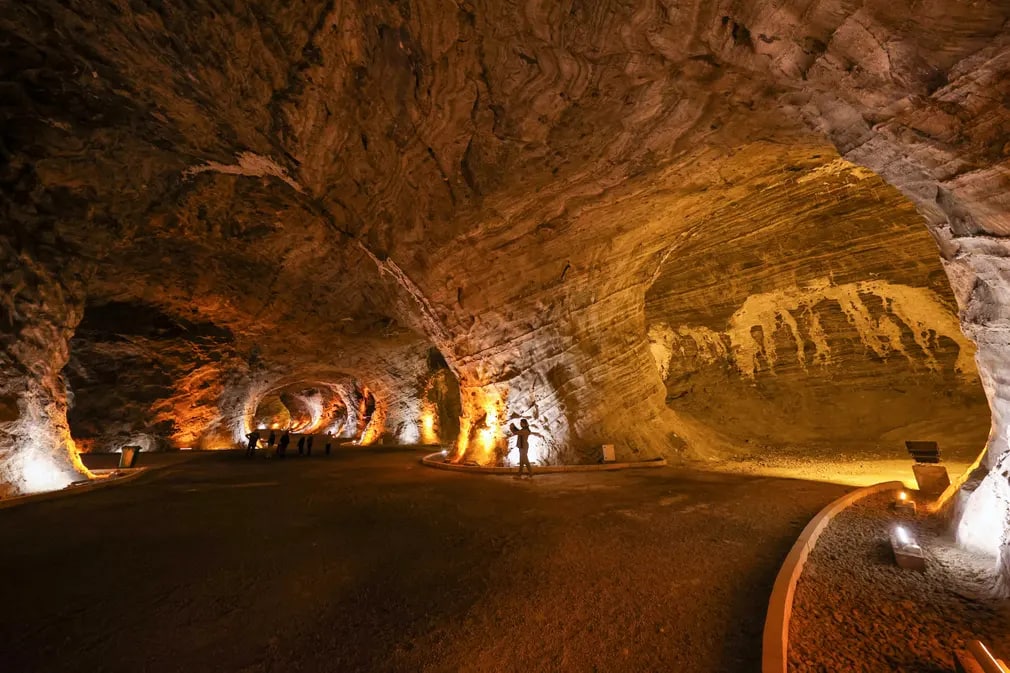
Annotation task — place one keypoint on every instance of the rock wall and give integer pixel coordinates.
(500, 180)
(826, 329)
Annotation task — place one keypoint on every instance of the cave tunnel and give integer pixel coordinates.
(759, 245)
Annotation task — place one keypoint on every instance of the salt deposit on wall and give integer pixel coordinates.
(749, 339)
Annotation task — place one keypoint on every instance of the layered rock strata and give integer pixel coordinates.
(824, 330)
(500, 181)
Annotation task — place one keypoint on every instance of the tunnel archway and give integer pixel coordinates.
(305, 407)
(142, 375)
(813, 321)
(327, 405)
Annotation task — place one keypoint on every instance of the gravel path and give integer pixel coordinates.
(855, 610)
(367, 561)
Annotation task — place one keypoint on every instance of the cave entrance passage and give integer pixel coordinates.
(311, 407)
(813, 320)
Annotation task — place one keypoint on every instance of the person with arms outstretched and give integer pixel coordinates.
(522, 435)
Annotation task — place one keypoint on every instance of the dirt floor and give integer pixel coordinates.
(367, 561)
(855, 610)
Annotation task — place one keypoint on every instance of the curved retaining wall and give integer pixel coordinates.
(775, 643)
(106, 478)
(437, 461)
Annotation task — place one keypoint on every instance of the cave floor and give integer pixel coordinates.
(366, 561)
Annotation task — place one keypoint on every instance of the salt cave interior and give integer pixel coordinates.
(688, 229)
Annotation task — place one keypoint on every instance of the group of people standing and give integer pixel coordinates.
(304, 443)
(521, 433)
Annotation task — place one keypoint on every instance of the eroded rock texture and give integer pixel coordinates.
(342, 186)
(823, 329)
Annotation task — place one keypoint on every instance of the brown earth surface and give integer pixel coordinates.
(856, 610)
(367, 561)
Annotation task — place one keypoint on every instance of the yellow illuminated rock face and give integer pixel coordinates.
(339, 188)
(826, 328)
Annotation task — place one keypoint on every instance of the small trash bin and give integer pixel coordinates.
(128, 456)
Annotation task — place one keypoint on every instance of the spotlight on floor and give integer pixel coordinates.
(903, 503)
(907, 552)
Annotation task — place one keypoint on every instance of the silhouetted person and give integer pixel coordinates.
(329, 438)
(308, 446)
(301, 445)
(254, 438)
(271, 439)
(282, 446)
(522, 435)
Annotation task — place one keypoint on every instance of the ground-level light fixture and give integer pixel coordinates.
(907, 552)
(903, 503)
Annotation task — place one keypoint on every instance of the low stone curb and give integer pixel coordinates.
(437, 461)
(775, 642)
(86, 487)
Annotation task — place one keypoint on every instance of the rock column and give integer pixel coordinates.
(40, 305)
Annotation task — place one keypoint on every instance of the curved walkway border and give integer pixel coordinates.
(437, 461)
(107, 478)
(775, 642)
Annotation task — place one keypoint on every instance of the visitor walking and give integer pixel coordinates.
(282, 446)
(308, 446)
(522, 435)
(254, 438)
(301, 445)
(271, 439)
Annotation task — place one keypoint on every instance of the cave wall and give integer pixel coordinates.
(42, 303)
(499, 180)
(138, 376)
(827, 329)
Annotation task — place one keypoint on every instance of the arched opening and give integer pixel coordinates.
(325, 407)
(141, 376)
(812, 328)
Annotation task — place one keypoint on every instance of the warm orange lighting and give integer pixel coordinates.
(428, 434)
(480, 430)
(376, 425)
(902, 496)
(463, 441)
(487, 435)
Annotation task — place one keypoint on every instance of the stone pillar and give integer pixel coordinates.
(984, 511)
(968, 217)
(40, 306)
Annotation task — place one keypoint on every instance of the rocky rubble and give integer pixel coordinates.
(856, 610)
